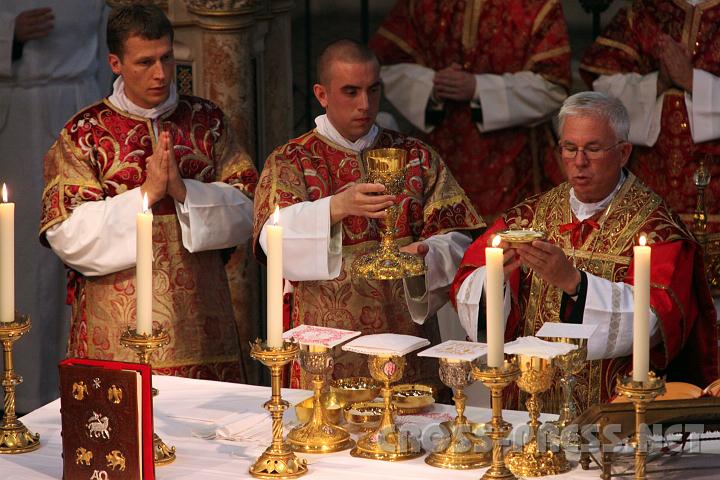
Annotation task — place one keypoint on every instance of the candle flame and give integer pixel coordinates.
(145, 203)
(276, 215)
(496, 241)
(4, 193)
(643, 240)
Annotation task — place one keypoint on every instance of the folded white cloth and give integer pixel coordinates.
(385, 344)
(536, 347)
(314, 335)
(456, 350)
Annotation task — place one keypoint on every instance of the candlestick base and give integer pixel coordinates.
(144, 345)
(14, 436)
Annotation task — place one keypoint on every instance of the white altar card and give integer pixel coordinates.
(456, 350)
(385, 344)
(566, 330)
(536, 347)
(314, 335)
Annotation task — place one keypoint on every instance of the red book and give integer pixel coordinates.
(107, 420)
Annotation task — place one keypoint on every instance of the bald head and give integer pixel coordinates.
(346, 51)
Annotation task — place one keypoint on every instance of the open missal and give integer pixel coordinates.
(107, 420)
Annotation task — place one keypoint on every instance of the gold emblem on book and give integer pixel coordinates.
(84, 457)
(115, 394)
(115, 459)
(79, 390)
(98, 426)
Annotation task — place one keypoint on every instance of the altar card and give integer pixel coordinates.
(391, 344)
(456, 350)
(314, 335)
(565, 330)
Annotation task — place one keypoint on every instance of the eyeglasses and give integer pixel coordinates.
(570, 151)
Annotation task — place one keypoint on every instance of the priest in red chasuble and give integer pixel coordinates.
(583, 271)
(328, 212)
(480, 78)
(181, 152)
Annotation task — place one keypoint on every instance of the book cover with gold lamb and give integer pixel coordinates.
(106, 410)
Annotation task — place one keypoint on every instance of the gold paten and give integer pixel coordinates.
(14, 436)
(387, 166)
(354, 389)
(536, 376)
(387, 442)
(364, 415)
(318, 435)
(462, 450)
(518, 237)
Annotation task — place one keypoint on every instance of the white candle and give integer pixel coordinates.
(143, 272)
(641, 323)
(495, 276)
(274, 282)
(7, 258)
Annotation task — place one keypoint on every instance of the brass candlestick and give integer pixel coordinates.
(463, 451)
(496, 379)
(386, 442)
(318, 435)
(14, 436)
(278, 460)
(536, 376)
(144, 346)
(570, 364)
(641, 393)
(387, 166)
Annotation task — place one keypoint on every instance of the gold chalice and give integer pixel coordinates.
(387, 166)
(318, 435)
(536, 376)
(570, 365)
(463, 450)
(387, 442)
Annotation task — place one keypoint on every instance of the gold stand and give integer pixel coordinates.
(496, 379)
(536, 376)
(387, 442)
(318, 435)
(461, 452)
(14, 436)
(144, 346)
(641, 393)
(278, 460)
(387, 166)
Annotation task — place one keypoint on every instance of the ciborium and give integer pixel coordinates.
(535, 459)
(570, 364)
(463, 450)
(387, 166)
(387, 442)
(318, 435)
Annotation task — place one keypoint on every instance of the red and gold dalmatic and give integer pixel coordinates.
(628, 45)
(679, 294)
(311, 167)
(101, 153)
(496, 169)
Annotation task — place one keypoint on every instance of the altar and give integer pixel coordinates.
(187, 411)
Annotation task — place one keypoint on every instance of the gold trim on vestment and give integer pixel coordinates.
(608, 42)
(542, 14)
(471, 24)
(539, 57)
(401, 44)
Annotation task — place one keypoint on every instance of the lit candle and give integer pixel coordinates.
(495, 276)
(641, 322)
(274, 282)
(143, 271)
(7, 258)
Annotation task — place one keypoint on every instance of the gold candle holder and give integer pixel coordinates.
(386, 442)
(570, 365)
(463, 451)
(536, 376)
(144, 345)
(14, 436)
(641, 393)
(496, 379)
(278, 460)
(318, 435)
(387, 166)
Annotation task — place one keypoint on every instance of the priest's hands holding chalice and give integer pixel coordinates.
(361, 200)
(547, 260)
(163, 176)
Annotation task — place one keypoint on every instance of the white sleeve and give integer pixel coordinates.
(609, 305)
(514, 99)
(408, 87)
(308, 239)
(703, 106)
(468, 302)
(213, 216)
(639, 95)
(99, 237)
(426, 294)
(7, 33)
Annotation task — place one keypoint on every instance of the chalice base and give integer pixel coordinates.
(529, 462)
(389, 447)
(16, 438)
(319, 438)
(461, 453)
(276, 464)
(162, 454)
(388, 264)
